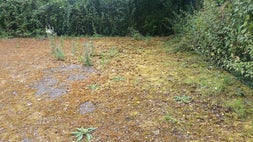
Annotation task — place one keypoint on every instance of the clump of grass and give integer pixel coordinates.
(135, 34)
(138, 36)
(74, 47)
(183, 99)
(52, 44)
(87, 59)
(87, 54)
(17, 45)
(57, 51)
(104, 61)
(81, 132)
(178, 44)
(59, 54)
(96, 35)
(207, 85)
(240, 106)
(228, 80)
(117, 78)
(106, 56)
(171, 118)
(93, 87)
(112, 52)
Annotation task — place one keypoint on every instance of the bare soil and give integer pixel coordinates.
(130, 89)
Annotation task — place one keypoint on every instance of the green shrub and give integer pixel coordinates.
(19, 18)
(88, 17)
(135, 34)
(223, 33)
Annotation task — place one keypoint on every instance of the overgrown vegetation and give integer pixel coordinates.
(223, 32)
(88, 17)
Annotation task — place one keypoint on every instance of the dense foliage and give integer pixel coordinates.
(88, 17)
(223, 32)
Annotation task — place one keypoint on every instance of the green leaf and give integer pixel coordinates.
(91, 129)
(79, 129)
(74, 133)
(247, 17)
(89, 137)
(84, 131)
(79, 138)
(245, 24)
(78, 135)
(244, 31)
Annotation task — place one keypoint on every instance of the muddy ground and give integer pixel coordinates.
(136, 91)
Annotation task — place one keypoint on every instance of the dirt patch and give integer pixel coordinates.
(57, 81)
(87, 107)
(128, 94)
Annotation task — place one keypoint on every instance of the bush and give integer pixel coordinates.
(135, 34)
(88, 17)
(222, 33)
(19, 18)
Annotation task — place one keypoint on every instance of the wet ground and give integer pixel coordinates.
(135, 91)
